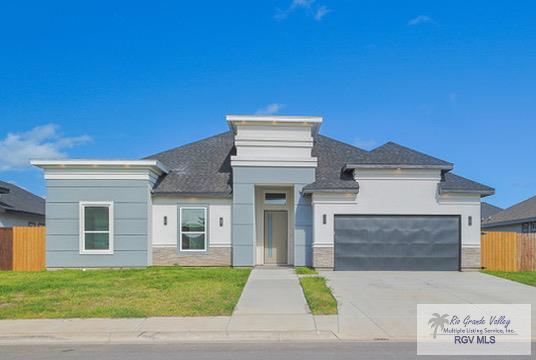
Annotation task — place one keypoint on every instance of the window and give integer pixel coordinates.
(96, 228)
(193, 230)
(525, 227)
(533, 227)
(275, 199)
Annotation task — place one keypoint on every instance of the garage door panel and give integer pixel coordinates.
(388, 242)
(396, 263)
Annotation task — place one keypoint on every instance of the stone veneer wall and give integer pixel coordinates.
(470, 257)
(323, 257)
(215, 256)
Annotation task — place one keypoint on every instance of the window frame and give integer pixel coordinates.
(82, 233)
(205, 232)
(269, 192)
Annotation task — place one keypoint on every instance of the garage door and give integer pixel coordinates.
(397, 242)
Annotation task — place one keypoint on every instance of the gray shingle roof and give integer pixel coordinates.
(487, 210)
(332, 156)
(455, 183)
(394, 154)
(523, 211)
(19, 200)
(204, 167)
(201, 167)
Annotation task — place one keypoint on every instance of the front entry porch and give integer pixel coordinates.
(273, 223)
(275, 237)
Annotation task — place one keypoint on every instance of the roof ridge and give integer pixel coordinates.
(413, 150)
(530, 199)
(495, 206)
(343, 143)
(188, 144)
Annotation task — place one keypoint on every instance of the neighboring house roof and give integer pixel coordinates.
(521, 212)
(487, 210)
(393, 154)
(455, 183)
(15, 199)
(204, 167)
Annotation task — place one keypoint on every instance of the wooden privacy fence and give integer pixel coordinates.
(22, 248)
(508, 251)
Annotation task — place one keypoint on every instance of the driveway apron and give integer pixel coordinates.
(384, 304)
(272, 300)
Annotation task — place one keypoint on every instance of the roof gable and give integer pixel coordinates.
(397, 155)
(456, 183)
(201, 167)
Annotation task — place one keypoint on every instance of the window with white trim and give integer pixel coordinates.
(96, 227)
(193, 229)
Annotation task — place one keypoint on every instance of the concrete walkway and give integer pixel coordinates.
(272, 300)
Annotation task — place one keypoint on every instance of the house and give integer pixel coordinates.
(19, 207)
(487, 210)
(519, 218)
(271, 191)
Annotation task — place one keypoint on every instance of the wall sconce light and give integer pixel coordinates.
(324, 219)
(221, 222)
(470, 221)
(165, 220)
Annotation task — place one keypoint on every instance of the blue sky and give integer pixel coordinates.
(118, 79)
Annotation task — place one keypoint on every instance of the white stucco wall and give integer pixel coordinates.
(167, 235)
(395, 191)
(273, 144)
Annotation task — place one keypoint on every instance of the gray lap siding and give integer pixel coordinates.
(131, 200)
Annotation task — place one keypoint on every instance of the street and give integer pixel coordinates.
(227, 351)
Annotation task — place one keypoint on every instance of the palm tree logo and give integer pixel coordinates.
(438, 322)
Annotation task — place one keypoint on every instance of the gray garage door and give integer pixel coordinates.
(397, 242)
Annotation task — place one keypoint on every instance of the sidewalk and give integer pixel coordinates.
(149, 330)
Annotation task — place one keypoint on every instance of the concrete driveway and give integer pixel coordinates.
(383, 305)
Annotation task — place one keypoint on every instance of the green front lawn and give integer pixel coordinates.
(525, 277)
(172, 291)
(304, 270)
(318, 295)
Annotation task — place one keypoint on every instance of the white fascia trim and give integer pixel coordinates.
(396, 166)
(308, 162)
(274, 143)
(312, 121)
(274, 118)
(323, 245)
(154, 165)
